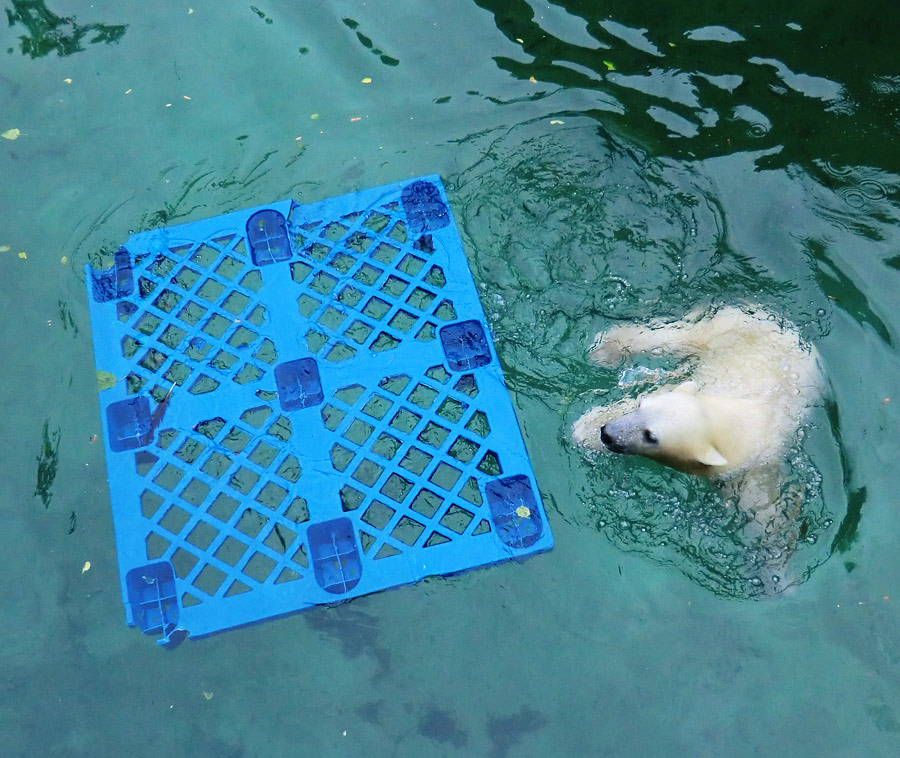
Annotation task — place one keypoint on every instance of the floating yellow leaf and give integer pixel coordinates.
(367, 80)
(4, 248)
(610, 66)
(105, 380)
(11, 134)
(314, 116)
(207, 695)
(520, 41)
(64, 259)
(532, 80)
(86, 567)
(67, 81)
(22, 255)
(523, 511)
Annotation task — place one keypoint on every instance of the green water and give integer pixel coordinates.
(604, 161)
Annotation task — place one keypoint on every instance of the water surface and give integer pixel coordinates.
(604, 162)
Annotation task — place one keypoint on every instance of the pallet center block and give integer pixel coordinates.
(309, 408)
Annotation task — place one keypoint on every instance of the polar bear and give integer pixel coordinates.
(751, 381)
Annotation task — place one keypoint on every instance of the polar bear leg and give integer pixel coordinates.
(769, 534)
(679, 339)
(676, 339)
(622, 341)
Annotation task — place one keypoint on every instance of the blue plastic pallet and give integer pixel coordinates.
(308, 408)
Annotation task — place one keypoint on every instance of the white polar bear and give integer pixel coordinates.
(752, 381)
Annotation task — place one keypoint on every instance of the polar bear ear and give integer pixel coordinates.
(688, 387)
(711, 457)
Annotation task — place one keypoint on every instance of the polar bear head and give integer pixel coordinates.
(680, 428)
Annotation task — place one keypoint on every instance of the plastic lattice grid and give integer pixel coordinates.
(308, 409)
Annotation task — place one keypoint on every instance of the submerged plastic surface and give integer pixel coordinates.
(308, 408)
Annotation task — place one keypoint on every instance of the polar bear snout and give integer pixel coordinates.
(609, 442)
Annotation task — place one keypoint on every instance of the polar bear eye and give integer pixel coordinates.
(650, 437)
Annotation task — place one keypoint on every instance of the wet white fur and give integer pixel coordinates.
(753, 379)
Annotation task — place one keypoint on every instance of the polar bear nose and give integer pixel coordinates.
(607, 439)
(610, 442)
(604, 436)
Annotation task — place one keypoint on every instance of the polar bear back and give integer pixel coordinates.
(755, 356)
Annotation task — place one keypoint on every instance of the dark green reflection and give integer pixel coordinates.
(367, 43)
(788, 78)
(848, 530)
(47, 32)
(841, 289)
(48, 462)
